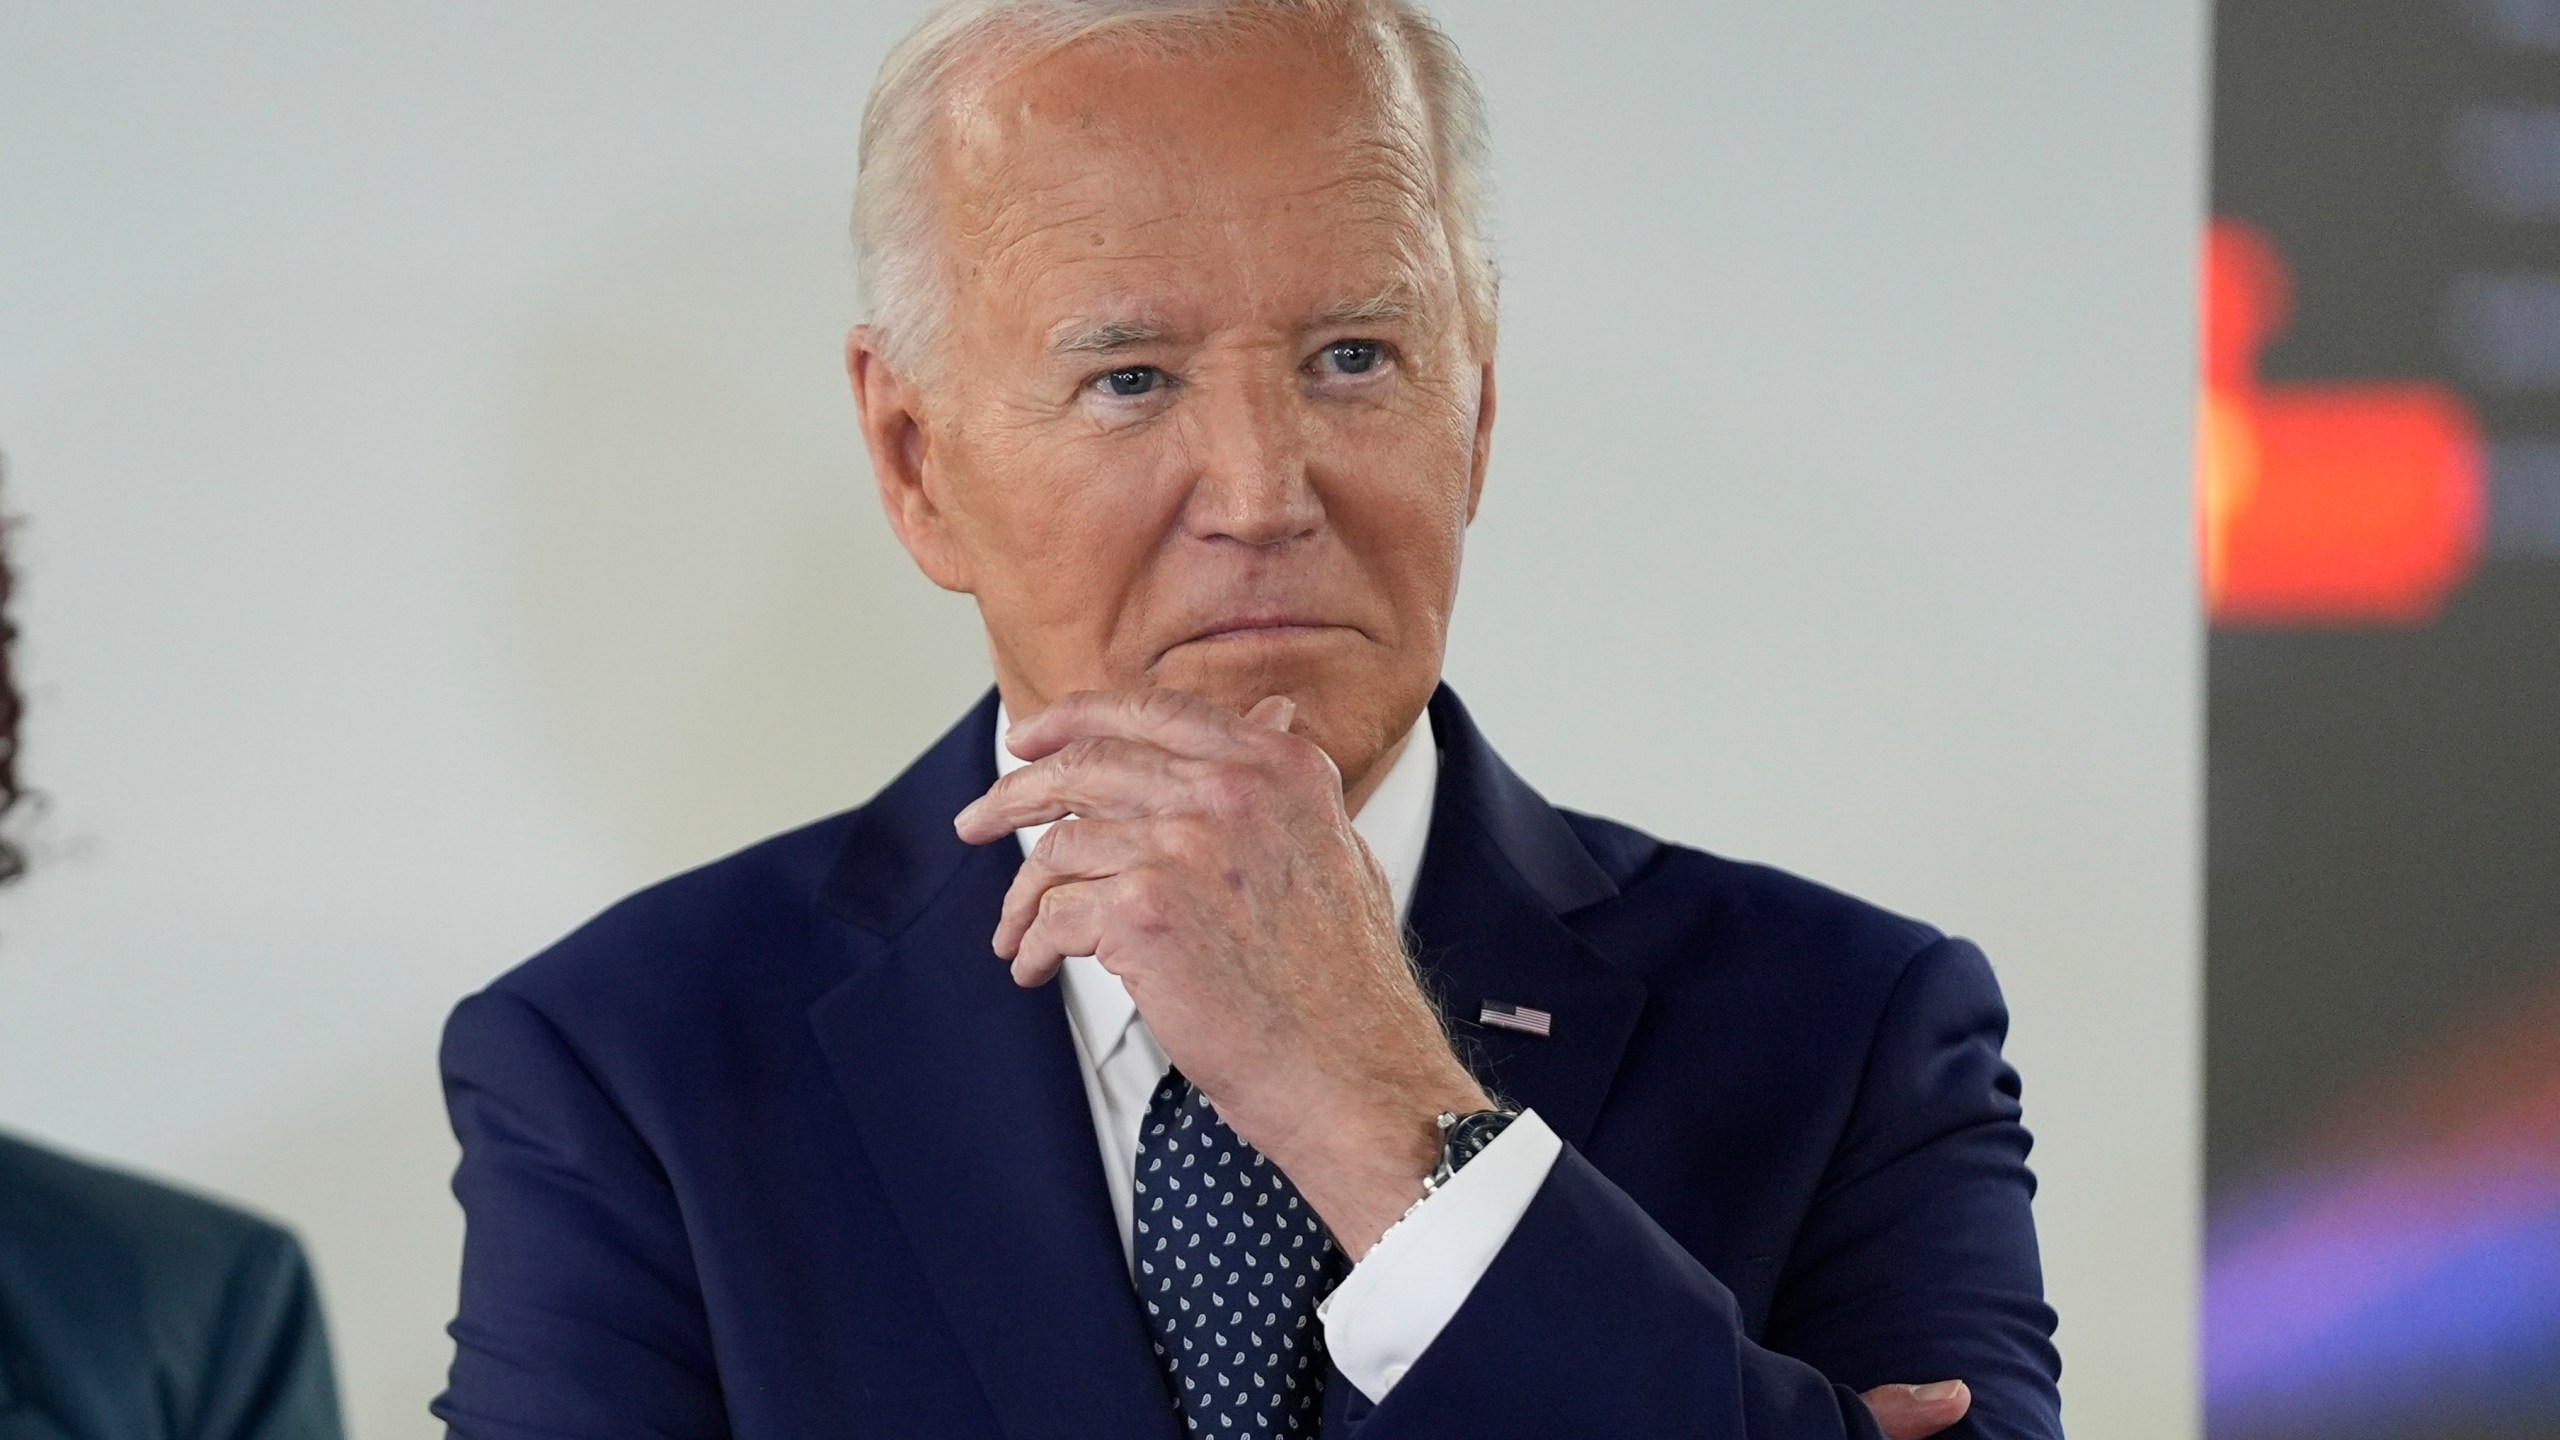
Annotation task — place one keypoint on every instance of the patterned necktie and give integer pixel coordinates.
(1231, 1263)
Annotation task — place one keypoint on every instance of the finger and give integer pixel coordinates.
(1079, 849)
(1182, 723)
(1278, 712)
(1068, 922)
(1099, 779)
(1914, 1412)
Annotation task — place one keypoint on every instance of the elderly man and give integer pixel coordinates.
(1322, 1076)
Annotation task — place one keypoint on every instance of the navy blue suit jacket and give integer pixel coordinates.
(777, 1148)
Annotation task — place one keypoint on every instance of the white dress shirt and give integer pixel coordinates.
(1392, 1305)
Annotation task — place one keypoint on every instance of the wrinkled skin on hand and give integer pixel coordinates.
(1207, 860)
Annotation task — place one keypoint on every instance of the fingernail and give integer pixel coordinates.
(1932, 1394)
(1288, 714)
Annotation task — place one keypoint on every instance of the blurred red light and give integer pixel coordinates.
(2339, 504)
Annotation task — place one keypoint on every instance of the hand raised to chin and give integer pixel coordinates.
(1206, 859)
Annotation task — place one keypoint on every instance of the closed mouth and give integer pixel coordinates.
(1257, 627)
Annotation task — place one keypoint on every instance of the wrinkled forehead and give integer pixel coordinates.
(1299, 141)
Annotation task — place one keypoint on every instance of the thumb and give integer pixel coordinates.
(1914, 1412)
(1276, 711)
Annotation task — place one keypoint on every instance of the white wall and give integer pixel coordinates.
(444, 513)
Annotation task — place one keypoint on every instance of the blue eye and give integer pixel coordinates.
(1355, 357)
(1135, 381)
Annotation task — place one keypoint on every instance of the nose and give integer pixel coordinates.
(1253, 487)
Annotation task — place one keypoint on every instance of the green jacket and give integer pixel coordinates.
(131, 1311)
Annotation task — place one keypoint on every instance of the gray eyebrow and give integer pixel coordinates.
(1394, 306)
(1079, 338)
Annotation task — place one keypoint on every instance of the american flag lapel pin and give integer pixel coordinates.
(1516, 1017)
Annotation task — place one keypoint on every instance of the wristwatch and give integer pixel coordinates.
(1463, 1138)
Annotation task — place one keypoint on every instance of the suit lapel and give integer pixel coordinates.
(1501, 871)
(967, 1092)
(970, 1102)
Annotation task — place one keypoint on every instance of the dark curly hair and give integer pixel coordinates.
(13, 859)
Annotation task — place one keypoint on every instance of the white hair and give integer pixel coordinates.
(896, 219)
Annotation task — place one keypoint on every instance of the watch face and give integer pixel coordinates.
(1474, 1132)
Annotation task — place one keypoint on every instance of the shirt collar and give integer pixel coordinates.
(1395, 824)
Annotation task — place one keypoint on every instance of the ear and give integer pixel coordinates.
(1484, 441)
(902, 460)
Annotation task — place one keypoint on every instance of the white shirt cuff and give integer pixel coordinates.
(1396, 1301)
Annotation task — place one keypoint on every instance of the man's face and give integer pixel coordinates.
(1208, 415)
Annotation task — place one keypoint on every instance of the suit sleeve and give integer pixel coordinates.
(269, 1376)
(580, 1311)
(1916, 1262)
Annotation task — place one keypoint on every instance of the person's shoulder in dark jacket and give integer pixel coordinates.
(135, 1311)
(1800, 941)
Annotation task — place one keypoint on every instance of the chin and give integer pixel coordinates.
(1352, 704)
(1239, 676)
